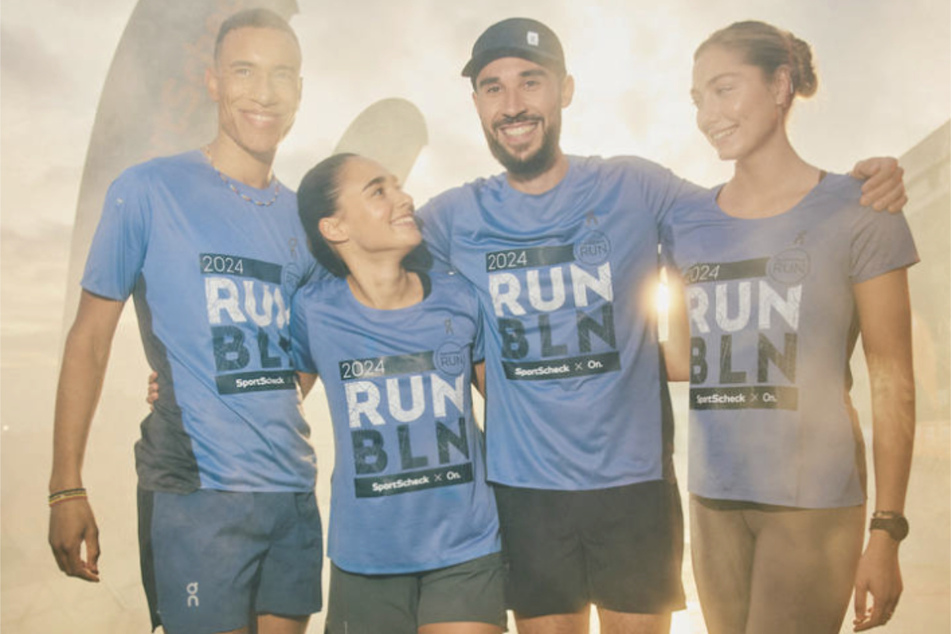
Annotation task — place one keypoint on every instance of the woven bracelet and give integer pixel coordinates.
(66, 495)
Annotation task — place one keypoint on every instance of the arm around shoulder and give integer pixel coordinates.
(884, 186)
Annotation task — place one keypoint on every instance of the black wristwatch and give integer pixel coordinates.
(892, 522)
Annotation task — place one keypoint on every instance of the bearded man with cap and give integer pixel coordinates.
(563, 253)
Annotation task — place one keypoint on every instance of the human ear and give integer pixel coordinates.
(332, 229)
(211, 83)
(567, 90)
(783, 88)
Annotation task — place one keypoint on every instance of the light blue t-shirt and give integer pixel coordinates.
(408, 489)
(212, 276)
(773, 323)
(576, 398)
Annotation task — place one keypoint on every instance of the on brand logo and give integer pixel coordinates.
(532, 38)
(192, 590)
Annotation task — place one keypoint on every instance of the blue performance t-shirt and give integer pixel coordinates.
(409, 491)
(773, 323)
(575, 396)
(212, 276)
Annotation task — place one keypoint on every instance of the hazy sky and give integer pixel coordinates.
(884, 82)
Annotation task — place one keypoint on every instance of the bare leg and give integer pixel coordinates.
(804, 571)
(624, 623)
(467, 627)
(273, 624)
(721, 545)
(576, 623)
(240, 630)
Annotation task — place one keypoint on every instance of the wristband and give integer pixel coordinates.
(66, 495)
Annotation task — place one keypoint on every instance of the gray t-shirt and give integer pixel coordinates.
(773, 323)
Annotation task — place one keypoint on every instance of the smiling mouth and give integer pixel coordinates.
(262, 119)
(719, 135)
(405, 220)
(518, 131)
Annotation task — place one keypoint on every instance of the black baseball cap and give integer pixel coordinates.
(516, 37)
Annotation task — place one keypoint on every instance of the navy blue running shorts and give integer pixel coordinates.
(211, 559)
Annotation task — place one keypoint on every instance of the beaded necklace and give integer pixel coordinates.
(227, 181)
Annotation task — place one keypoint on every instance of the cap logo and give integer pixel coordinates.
(532, 38)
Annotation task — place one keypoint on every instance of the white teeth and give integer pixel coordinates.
(716, 136)
(260, 118)
(522, 129)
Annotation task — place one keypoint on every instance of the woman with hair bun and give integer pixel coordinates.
(782, 270)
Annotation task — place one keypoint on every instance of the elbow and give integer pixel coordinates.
(87, 346)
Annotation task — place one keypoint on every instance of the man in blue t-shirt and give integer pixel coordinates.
(209, 245)
(562, 251)
(578, 424)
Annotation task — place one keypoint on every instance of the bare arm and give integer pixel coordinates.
(478, 377)
(884, 187)
(885, 316)
(85, 357)
(677, 346)
(306, 381)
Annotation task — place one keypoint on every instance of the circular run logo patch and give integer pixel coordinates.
(593, 249)
(788, 267)
(451, 358)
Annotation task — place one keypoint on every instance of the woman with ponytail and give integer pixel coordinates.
(413, 534)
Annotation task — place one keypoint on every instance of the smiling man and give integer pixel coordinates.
(523, 126)
(209, 245)
(563, 253)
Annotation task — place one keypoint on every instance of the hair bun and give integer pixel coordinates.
(805, 81)
(770, 49)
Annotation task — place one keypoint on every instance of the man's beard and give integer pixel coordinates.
(536, 164)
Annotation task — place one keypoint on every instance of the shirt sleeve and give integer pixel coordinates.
(119, 245)
(881, 242)
(437, 231)
(300, 334)
(664, 192)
